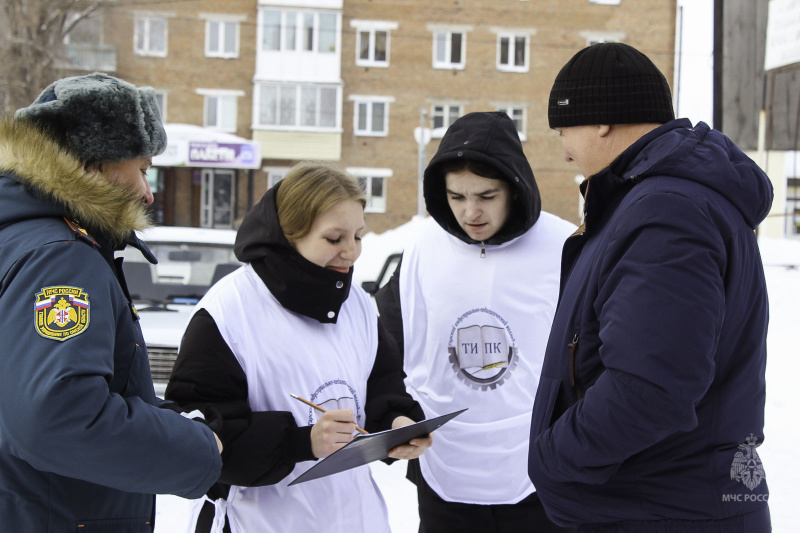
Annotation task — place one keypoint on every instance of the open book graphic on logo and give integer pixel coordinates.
(482, 347)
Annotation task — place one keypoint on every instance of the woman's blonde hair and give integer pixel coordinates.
(308, 190)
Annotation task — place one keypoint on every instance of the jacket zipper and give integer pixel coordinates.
(573, 381)
(483, 250)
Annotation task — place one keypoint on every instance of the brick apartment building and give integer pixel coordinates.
(349, 81)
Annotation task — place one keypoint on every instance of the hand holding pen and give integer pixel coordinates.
(332, 431)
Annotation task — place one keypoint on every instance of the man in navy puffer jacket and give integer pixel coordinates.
(651, 400)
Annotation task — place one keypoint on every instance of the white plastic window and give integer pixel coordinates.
(222, 38)
(150, 36)
(449, 49)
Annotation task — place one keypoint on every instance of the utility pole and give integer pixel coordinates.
(719, 47)
(422, 136)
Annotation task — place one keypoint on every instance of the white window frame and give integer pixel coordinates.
(594, 37)
(371, 28)
(516, 110)
(447, 119)
(223, 23)
(229, 107)
(512, 34)
(292, 30)
(368, 103)
(447, 32)
(297, 89)
(606, 2)
(161, 101)
(374, 204)
(275, 174)
(146, 19)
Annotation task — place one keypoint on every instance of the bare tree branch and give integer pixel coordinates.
(32, 49)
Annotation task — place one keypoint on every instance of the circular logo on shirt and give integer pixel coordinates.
(332, 395)
(482, 349)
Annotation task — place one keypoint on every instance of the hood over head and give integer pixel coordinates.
(298, 284)
(490, 138)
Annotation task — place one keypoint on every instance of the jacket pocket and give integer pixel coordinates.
(126, 525)
(545, 403)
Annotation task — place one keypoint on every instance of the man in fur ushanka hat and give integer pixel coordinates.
(84, 441)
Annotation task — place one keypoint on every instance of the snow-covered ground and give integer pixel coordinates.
(782, 265)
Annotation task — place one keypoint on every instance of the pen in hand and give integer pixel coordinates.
(321, 410)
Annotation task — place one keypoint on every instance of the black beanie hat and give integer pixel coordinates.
(609, 83)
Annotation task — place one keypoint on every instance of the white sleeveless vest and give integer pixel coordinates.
(475, 331)
(284, 353)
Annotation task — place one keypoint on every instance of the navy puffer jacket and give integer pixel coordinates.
(651, 400)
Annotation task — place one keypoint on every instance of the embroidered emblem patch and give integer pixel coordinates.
(61, 312)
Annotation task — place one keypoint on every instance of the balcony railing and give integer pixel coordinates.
(90, 57)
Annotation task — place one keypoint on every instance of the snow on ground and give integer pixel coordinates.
(781, 259)
(375, 248)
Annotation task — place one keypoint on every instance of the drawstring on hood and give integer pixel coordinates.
(491, 139)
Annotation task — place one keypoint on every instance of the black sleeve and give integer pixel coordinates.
(388, 300)
(387, 397)
(259, 448)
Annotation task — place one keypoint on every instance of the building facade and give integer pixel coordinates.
(369, 84)
(758, 96)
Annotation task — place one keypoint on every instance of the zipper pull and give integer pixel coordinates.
(572, 346)
(483, 250)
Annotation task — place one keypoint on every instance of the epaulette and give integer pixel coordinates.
(80, 233)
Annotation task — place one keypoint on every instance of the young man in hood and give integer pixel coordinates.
(651, 400)
(471, 305)
(84, 443)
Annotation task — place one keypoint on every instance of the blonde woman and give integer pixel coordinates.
(287, 322)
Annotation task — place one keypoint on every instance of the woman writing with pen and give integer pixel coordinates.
(288, 322)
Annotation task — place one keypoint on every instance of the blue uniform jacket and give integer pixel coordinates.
(651, 400)
(84, 444)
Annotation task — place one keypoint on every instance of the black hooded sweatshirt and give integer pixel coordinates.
(488, 138)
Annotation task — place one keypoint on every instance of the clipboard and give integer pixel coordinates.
(364, 449)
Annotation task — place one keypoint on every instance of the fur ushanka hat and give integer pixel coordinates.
(99, 118)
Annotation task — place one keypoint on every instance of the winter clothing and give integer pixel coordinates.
(441, 516)
(473, 320)
(651, 399)
(100, 118)
(83, 442)
(245, 351)
(492, 139)
(609, 83)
